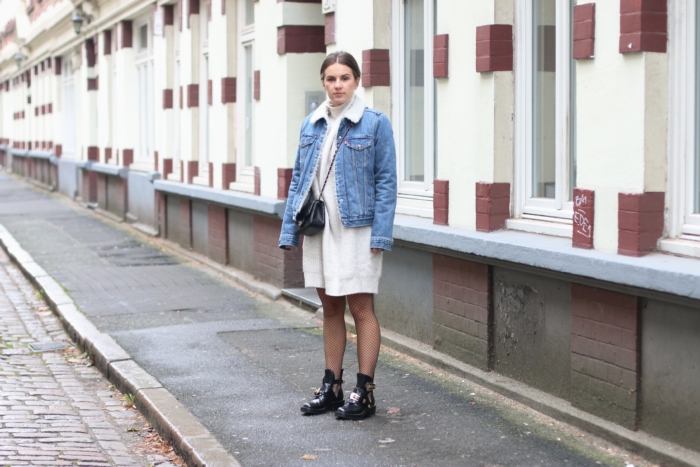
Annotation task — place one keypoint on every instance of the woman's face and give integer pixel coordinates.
(339, 83)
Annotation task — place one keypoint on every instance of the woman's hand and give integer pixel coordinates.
(377, 250)
(286, 247)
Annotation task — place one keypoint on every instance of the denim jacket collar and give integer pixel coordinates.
(354, 112)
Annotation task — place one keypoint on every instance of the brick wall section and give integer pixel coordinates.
(494, 48)
(127, 38)
(127, 157)
(329, 29)
(167, 167)
(492, 206)
(228, 174)
(375, 68)
(108, 155)
(211, 174)
(167, 98)
(107, 42)
(192, 95)
(272, 264)
(93, 153)
(640, 222)
(584, 205)
(584, 31)
(185, 230)
(58, 150)
(218, 233)
(284, 179)
(441, 55)
(192, 170)
(441, 202)
(92, 84)
(643, 26)
(256, 85)
(90, 53)
(210, 92)
(605, 353)
(462, 319)
(301, 39)
(228, 90)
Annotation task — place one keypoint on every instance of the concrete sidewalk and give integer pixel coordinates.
(222, 371)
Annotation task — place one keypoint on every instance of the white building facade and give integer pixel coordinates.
(548, 223)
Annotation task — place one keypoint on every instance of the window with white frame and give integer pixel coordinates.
(69, 114)
(144, 118)
(414, 104)
(177, 100)
(545, 149)
(204, 133)
(246, 66)
(684, 128)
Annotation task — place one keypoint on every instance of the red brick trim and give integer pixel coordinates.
(494, 48)
(228, 90)
(605, 353)
(181, 99)
(90, 52)
(211, 174)
(297, 1)
(155, 161)
(223, 7)
(167, 98)
(167, 167)
(329, 28)
(93, 153)
(228, 174)
(169, 15)
(127, 34)
(301, 39)
(256, 182)
(57, 67)
(643, 26)
(640, 222)
(107, 42)
(127, 157)
(492, 206)
(441, 55)
(192, 9)
(256, 85)
(441, 202)
(192, 95)
(217, 218)
(584, 30)
(192, 170)
(108, 154)
(50, 108)
(92, 84)
(375, 68)
(584, 204)
(284, 179)
(210, 92)
(58, 150)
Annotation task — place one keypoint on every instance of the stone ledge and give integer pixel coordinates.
(109, 169)
(231, 199)
(657, 272)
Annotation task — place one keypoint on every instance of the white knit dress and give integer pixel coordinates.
(338, 259)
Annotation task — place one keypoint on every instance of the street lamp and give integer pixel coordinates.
(18, 59)
(77, 21)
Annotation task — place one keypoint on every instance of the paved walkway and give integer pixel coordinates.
(55, 408)
(243, 364)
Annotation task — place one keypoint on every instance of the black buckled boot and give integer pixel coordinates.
(361, 403)
(325, 398)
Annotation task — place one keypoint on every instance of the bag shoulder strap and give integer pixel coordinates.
(337, 148)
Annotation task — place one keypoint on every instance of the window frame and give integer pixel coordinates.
(414, 198)
(203, 90)
(70, 107)
(560, 208)
(144, 105)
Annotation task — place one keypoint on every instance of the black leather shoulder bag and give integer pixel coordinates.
(311, 218)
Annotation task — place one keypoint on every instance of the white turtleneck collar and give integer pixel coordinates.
(353, 109)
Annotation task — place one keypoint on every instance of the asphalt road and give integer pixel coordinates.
(244, 365)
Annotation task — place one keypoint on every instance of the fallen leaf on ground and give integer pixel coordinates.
(309, 457)
(386, 441)
(393, 410)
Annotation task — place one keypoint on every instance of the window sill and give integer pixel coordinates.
(242, 187)
(200, 181)
(556, 229)
(657, 272)
(173, 177)
(684, 246)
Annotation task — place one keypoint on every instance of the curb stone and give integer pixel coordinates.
(173, 421)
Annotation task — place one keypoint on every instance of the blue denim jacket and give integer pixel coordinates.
(365, 173)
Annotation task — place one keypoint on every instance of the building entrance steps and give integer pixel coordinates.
(205, 356)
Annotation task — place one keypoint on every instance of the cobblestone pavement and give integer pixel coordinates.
(55, 408)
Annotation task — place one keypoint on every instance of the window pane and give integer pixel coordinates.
(414, 44)
(249, 12)
(248, 105)
(544, 92)
(143, 38)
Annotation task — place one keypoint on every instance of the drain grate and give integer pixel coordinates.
(48, 346)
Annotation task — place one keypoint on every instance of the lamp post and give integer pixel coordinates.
(77, 21)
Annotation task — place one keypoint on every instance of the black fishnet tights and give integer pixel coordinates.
(334, 337)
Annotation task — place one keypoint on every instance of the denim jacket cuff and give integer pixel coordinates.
(381, 242)
(287, 239)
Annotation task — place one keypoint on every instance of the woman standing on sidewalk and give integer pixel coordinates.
(352, 147)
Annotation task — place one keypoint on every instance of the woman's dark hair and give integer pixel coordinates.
(341, 57)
